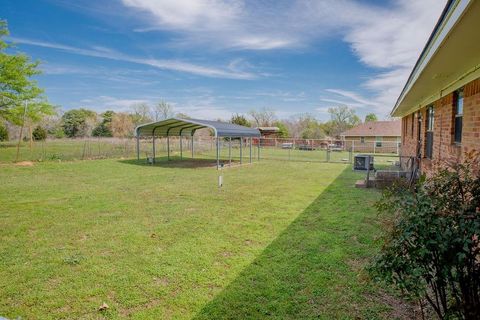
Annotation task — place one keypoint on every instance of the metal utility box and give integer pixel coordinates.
(360, 162)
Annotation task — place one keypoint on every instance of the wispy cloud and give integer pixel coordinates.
(390, 43)
(285, 96)
(229, 72)
(355, 97)
(387, 38)
(103, 103)
(233, 24)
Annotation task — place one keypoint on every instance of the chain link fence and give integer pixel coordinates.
(203, 147)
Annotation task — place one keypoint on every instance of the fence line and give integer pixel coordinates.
(204, 147)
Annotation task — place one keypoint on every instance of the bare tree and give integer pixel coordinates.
(182, 115)
(162, 111)
(263, 118)
(122, 125)
(305, 126)
(141, 113)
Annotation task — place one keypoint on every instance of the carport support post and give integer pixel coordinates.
(192, 144)
(230, 150)
(153, 148)
(241, 139)
(258, 149)
(138, 148)
(250, 149)
(218, 153)
(181, 149)
(168, 147)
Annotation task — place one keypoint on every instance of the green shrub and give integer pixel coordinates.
(431, 246)
(39, 133)
(3, 133)
(58, 133)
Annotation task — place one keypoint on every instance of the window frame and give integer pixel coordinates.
(457, 116)
(362, 140)
(430, 114)
(378, 141)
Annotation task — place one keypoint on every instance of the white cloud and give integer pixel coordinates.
(355, 97)
(229, 72)
(187, 14)
(103, 103)
(388, 38)
(234, 24)
(323, 110)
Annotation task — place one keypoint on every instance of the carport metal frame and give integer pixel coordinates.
(220, 129)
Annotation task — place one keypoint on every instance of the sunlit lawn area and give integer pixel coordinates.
(285, 240)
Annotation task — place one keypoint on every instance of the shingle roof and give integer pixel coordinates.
(376, 128)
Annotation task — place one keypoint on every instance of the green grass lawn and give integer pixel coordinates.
(285, 240)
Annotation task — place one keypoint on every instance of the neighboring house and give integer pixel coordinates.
(375, 136)
(440, 103)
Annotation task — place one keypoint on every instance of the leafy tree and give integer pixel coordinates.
(3, 132)
(16, 85)
(162, 111)
(283, 133)
(240, 119)
(263, 118)
(78, 122)
(104, 128)
(58, 133)
(342, 119)
(39, 133)
(432, 242)
(21, 100)
(304, 126)
(311, 128)
(371, 117)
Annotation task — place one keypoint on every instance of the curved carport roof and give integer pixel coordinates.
(187, 127)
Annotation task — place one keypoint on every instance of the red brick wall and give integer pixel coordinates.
(443, 130)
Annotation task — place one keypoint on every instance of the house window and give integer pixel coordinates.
(429, 134)
(378, 141)
(458, 108)
(362, 139)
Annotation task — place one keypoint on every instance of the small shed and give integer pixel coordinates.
(187, 127)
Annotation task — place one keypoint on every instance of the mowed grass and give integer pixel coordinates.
(285, 240)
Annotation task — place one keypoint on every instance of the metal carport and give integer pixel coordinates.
(187, 127)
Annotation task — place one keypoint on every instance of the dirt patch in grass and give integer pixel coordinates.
(399, 308)
(24, 164)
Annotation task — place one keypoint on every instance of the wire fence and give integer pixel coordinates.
(203, 147)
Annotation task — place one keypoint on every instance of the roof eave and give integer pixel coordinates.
(444, 25)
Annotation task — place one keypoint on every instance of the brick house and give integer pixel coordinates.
(440, 103)
(374, 137)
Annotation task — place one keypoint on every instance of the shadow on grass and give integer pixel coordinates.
(177, 162)
(314, 268)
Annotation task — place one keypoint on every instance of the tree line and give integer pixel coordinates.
(305, 125)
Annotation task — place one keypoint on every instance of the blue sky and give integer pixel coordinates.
(212, 58)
